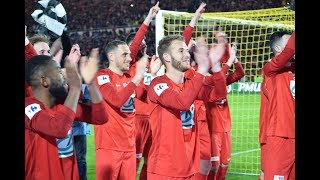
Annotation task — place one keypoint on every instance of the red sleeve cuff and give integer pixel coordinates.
(67, 112)
(225, 68)
(98, 106)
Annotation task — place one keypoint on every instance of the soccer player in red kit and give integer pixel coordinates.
(218, 113)
(37, 45)
(200, 117)
(174, 152)
(44, 120)
(138, 48)
(280, 89)
(263, 118)
(88, 69)
(115, 140)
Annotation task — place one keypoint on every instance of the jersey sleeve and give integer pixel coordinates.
(109, 93)
(96, 113)
(161, 92)
(55, 124)
(29, 51)
(136, 42)
(236, 75)
(187, 34)
(218, 92)
(278, 62)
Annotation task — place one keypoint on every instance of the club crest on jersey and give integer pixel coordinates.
(159, 88)
(32, 109)
(103, 79)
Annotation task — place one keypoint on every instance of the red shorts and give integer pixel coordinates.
(220, 148)
(143, 131)
(112, 164)
(280, 159)
(263, 152)
(161, 177)
(205, 144)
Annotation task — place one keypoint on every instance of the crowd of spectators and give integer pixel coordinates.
(93, 23)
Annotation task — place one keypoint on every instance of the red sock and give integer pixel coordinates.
(143, 173)
(200, 176)
(222, 172)
(212, 175)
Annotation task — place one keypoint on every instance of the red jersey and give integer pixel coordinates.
(119, 93)
(42, 127)
(175, 142)
(96, 114)
(264, 102)
(142, 108)
(281, 93)
(263, 111)
(218, 113)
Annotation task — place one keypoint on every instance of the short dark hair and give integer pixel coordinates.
(130, 37)
(275, 38)
(165, 42)
(37, 65)
(111, 46)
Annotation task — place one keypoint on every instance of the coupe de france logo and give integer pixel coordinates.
(65, 145)
(32, 109)
(103, 79)
(293, 88)
(159, 88)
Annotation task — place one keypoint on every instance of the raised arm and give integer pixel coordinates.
(138, 38)
(29, 51)
(239, 72)
(279, 62)
(187, 33)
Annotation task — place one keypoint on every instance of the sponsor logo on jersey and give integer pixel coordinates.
(293, 88)
(215, 158)
(103, 79)
(32, 109)
(159, 88)
(278, 177)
